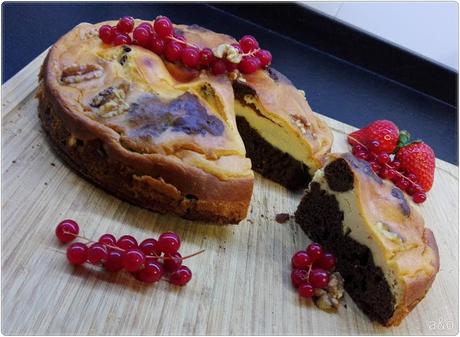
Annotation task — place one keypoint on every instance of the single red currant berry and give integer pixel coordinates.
(97, 253)
(238, 47)
(206, 57)
(301, 260)
(168, 243)
(298, 277)
(419, 197)
(315, 251)
(133, 260)
(357, 148)
(191, 57)
(248, 65)
(375, 146)
(327, 261)
(142, 36)
(230, 66)
(395, 164)
(218, 67)
(306, 290)
(383, 158)
(106, 33)
(248, 43)
(149, 247)
(163, 26)
(383, 172)
(152, 272)
(125, 24)
(361, 155)
(375, 166)
(67, 230)
(173, 51)
(147, 26)
(402, 183)
(114, 260)
(108, 240)
(181, 276)
(265, 57)
(391, 173)
(126, 242)
(319, 278)
(172, 262)
(412, 177)
(121, 39)
(411, 189)
(157, 45)
(76, 253)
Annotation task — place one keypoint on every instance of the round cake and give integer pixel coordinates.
(173, 139)
(386, 255)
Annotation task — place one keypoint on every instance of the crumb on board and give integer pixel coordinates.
(52, 164)
(282, 217)
(250, 221)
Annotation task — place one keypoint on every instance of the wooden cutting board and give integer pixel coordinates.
(240, 285)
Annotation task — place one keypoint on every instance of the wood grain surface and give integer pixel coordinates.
(241, 284)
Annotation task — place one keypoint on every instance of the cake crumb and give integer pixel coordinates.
(14, 161)
(250, 221)
(282, 217)
(53, 164)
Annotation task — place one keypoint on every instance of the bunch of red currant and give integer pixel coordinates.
(387, 168)
(164, 41)
(311, 269)
(147, 261)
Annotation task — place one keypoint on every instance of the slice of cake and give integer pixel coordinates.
(164, 136)
(285, 140)
(384, 252)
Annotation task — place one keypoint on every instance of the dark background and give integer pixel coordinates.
(346, 74)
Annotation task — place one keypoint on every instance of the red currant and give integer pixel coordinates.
(375, 146)
(106, 33)
(375, 166)
(395, 164)
(126, 242)
(67, 230)
(248, 65)
(97, 253)
(114, 260)
(181, 276)
(108, 239)
(391, 174)
(357, 148)
(383, 158)
(411, 189)
(191, 57)
(149, 247)
(173, 262)
(327, 261)
(163, 26)
(133, 260)
(306, 290)
(238, 47)
(173, 51)
(248, 43)
(206, 57)
(168, 243)
(419, 197)
(77, 253)
(230, 66)
(142, 36)
(218, 67)
(315, 251)
(412, 177)
(361, 155)
(121, 39)
(125, 24)
(157, 45)
(147, 26)
(152, 272)
(301, 260)
(298, 277)
(319, 278)
(181, 39)
(265, 57)
(402, 183)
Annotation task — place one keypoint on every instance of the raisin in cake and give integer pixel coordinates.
(158, 134)
(386, 255)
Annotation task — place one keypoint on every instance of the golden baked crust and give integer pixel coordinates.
(396, 234)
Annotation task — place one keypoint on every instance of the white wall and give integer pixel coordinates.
(426, 28)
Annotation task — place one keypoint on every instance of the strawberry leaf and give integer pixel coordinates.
(404, 139)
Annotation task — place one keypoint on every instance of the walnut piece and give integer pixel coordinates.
(228, 52)
(328, 299)
(80, 73)
(111, 102)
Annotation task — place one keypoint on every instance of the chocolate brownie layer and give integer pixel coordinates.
(321, 219)
(271, 162)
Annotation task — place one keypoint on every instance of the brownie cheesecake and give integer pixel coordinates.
(386, 255)
(165, 137)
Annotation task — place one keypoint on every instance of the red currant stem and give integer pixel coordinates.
(183, 42)
(123, 250)
(386, 164)
(251, 53)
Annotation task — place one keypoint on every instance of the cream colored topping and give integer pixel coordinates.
(374, 218)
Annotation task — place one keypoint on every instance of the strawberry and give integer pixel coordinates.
(385, 132)
(418, 158)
